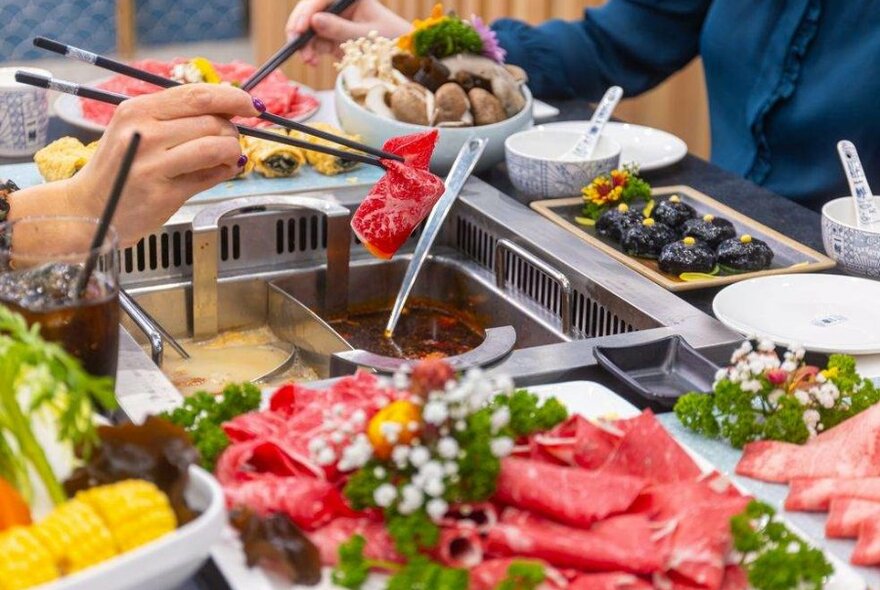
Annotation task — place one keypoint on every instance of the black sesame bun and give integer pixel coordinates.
(673, 212)
(614, 222)
(744, 254)
(709, 229)
(647, 239)
(687, 255)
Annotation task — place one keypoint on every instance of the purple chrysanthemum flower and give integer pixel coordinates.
(491, 48)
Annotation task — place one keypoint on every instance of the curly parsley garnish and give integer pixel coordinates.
(762, 397)
(203, 414)
(773, 557)
(465, 451)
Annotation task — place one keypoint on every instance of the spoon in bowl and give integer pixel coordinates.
(583, 149)
(866, 211)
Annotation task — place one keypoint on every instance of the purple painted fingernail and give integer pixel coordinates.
(259, 105)
(242, 160)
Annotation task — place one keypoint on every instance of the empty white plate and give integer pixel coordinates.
(822, 313)
(650, 148)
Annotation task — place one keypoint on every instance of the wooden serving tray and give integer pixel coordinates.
(789, 256)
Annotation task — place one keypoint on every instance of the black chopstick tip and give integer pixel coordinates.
(50, 45)
(31, 79)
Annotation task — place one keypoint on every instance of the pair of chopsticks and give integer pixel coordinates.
(116, 99)
(292, 47)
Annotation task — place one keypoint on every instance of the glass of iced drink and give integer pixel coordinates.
(42, 260)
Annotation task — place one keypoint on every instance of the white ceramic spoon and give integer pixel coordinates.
(866, 212)
(585, 146)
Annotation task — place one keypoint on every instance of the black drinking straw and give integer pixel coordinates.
(107, 216)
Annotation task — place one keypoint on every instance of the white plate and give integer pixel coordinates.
(541, 111)
(822, 313)
(168, 562)
(68, 109)
(650, 148)
(589, 399)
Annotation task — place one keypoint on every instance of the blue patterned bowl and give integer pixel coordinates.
(537, 170)
(856, 250)
(24, 121)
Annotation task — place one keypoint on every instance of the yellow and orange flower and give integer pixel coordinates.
(603, 191)
(438, 15)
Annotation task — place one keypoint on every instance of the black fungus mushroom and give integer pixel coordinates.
(647, 239)
(709, 229)
(744, 254)
(673, 211)
(687, 255)
(613, 223)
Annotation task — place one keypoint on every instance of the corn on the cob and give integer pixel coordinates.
(24, 561)
(75, 537)
(135, 511)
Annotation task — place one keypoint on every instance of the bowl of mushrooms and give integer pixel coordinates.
(387, 88)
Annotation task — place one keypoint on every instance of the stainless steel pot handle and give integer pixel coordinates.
(497, 344)
(146, 324)
(504, 246)
(206, 253)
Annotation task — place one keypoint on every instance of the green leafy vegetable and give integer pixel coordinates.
(43, 387)
(523, 575)
(412, 533)
(773, 557)
(203, 414)
(450, 36)
(778, 404)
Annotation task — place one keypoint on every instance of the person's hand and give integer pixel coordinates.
(331, 30)
(188, 145)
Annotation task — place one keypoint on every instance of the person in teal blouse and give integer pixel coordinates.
(786, 79)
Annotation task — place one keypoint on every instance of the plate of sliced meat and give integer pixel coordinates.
(607, 499)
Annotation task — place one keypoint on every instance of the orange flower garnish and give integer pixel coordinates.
(603, 191)
(438, 15)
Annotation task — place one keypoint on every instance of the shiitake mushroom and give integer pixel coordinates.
(613, 223)
(432, 74)
(687, 255)
(647, 239)
(709, 229)
(744, 254)
(673, 211)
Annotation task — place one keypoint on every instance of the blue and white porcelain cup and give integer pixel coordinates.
(24, 114)
(855, 249)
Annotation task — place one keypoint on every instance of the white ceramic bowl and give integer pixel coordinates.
(537, 170)
(168, 562)
(376, 130)
(856, 250)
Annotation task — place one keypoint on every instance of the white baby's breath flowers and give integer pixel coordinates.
(437, 509)
(435, 412)
(501, 447)
(447, 447)
(500, 418)
(356, 454)
(419, 455)
(411, 500)
(384, 495)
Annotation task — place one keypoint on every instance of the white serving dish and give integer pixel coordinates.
(822, 312)
(856, 250)
(537, 169)
(168, 562)
(376, 130)
(649, 148)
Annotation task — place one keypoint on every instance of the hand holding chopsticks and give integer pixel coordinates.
(127, 70)
(113, 98)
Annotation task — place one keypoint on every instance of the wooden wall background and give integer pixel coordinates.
(679, 105)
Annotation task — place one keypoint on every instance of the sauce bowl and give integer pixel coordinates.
(855, 249)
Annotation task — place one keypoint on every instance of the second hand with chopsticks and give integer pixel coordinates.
(23, 77)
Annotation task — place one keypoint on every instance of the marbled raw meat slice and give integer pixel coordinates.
(482, 516)
(623, 543)
(310, 503)
(254, 425)
(402, 198)
(609, 581)
(666, 501)
(815, 494)
(578, 441)
(565, 494)
(846, 515)
(867, 551)
(648, 451)
(379, 546)
(849, 450)
(735, 578)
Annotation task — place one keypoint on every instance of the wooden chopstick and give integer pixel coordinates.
(116, 99)
(294, 45)
(132, 72)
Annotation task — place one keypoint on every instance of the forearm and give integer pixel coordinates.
(635, 44)
(52, 198)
